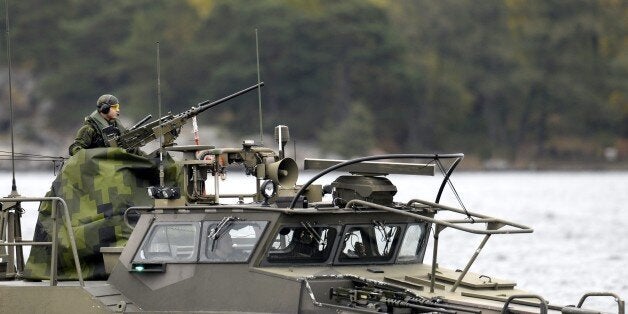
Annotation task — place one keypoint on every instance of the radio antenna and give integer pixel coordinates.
(13, 184)
(12, 221)
(161, 149)
(259, 91)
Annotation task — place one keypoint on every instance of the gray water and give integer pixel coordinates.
(580, 222)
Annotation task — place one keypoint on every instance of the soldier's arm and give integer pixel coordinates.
(84, 139)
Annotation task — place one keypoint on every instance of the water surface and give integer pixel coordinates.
(580, 222)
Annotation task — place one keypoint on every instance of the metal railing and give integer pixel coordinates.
(493, 226)
(542, 302)
(55, 241)
(621, 304)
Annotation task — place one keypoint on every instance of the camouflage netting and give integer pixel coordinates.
(98, 186)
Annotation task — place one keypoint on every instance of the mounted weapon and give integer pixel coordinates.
(168, 126)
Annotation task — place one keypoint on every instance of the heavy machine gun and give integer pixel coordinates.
(384, 300)
(168, 126)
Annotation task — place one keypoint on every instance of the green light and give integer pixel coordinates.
(139, 268)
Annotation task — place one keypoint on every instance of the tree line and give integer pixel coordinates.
(510, 79)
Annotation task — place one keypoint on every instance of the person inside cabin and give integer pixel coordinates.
(99, 125)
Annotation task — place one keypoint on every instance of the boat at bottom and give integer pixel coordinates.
(346, 247)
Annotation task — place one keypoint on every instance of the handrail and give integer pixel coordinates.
(494, 223)
(54, 242)
(482, 218)
(458, 156)
(621, 305)
(542, 305)
(492, 227)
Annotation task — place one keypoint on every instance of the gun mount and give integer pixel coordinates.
(263, 163)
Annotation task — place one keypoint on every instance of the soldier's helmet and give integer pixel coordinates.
(106, 99)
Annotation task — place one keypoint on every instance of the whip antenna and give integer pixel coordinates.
(13, 184)
(259, 91)
(161, 149)
(11, 220)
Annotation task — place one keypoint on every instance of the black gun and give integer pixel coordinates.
(384, 300)
(168, 126)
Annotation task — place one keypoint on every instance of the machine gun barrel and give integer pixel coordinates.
(210, 104)
(404, 304)
(141, 122)
(428, 302)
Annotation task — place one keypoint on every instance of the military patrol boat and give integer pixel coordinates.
(345, 246)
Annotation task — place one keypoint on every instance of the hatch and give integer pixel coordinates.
(473, 280)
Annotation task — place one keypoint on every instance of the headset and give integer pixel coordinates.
(105, 107)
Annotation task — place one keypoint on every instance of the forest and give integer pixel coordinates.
(514, 80)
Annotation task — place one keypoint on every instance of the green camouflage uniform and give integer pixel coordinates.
(91, 134)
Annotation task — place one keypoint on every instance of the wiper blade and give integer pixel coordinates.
(317, 237)
(220, 229)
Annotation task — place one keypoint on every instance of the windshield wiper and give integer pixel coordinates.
(312, 232)
(220, 229)
(388, 236)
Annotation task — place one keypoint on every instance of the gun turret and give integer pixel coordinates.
(168, 126)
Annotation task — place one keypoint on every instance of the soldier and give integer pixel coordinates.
(100, 124)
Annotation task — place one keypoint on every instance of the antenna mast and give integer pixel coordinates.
(10, 221)
(13, 184)
(259, 91)
(161, 149)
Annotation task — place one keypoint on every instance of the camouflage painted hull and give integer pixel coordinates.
(98, 186)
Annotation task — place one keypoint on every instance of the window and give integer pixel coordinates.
(302, 244)
(170, 242)
(410, 246)
(369, 243)
(230, 240)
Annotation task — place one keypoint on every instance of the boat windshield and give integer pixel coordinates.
(170, 242)
(304, 243)
(411, 249)
(376, 242)
(232, 242)
(223, 241)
